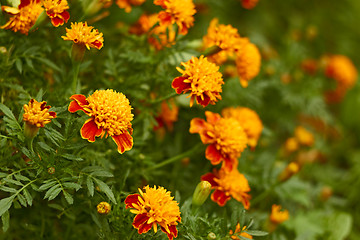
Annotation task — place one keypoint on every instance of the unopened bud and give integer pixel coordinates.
(103, 208)
(78, 51)
(201, 193)
(30, 130)
(51, 170)
(211, 236)
(289, 171)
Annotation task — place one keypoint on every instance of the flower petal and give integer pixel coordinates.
(203, 102)
(65, 15)
(213, 154)
(78, 103)
(220, 197)
(210, 178)
(211, 117)
(173, 231)
(144, 227)
(139, 220)
(90, 130)
(179, 85)
(229, 164)
(196, 125)
(131, 199)
(56, 21)
(123, 141)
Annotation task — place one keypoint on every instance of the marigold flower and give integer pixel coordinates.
(249, 120)
(227, 185)
(23, 17)
(202, 79)
(248, 63)
(342, 70)
(110, 112)
(277, 216)
(154, 206)
(291, 145)
(240, 232)
(289, 171)
(162, 36)
(127, 4)
(177, 11)
(36, 115)
(56, 10)
(226, 137)
(303, 136)
(103, 208)
(168, 114)
(82, 34)
(144, 24)
(249, 4)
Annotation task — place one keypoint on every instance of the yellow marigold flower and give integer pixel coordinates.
(240, 232)
(103, 208)
(227, 185)
(23, 17)
(202, 79)
(127, 4)
(277, 216)
(248, 62)
(249, 120)
(56, 10)
(342, 70)
(168, 115)
(303, 136)
(82, 34)
(249, 4)
(36, 115)
(291, 145)
(110, 112)
(226, 38)
(154, 206)
(289, 171)
(226, 137)
(177, 11)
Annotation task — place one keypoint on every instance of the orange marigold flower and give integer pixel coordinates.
(202, 79)
(289, 171)
(127, 4)
(226, 38)
(226, 137)
(249, 120)
(291, 145)
(342, 70)
(240, 232)
(303, 136)
(162, 36)
(177, 11)
(82, 34)
(103, 208)
(23, 17)
(227, 185)
(249, 4)
(110, 112)
(248, 63)
(168, 114)
(56, 10)
(154, 206)
(144, 24)
(277, 216)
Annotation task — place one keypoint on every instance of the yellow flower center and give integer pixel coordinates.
(35, 113)
(110, 110)
(55, 6)
(230, 137)
(232, 183)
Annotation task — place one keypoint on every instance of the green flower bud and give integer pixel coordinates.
(201, 193)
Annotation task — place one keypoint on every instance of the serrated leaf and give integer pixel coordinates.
(106, 189)
(56, 206)
(8, 189)
(7, 112)
(101, 174)
(12, 181)
(51, 190)
(28, 197)
(339, 225)
(72, 157)
(257, 233)
(3, 174)
(90, 186)
(47, 185)
(22, 200)
(54, 193)
(21, 178)
(5, 204)
(5, 218)
(45, 147)
(68, 197)
(73, 185)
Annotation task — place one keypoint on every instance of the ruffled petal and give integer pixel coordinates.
(90, 130)
(211, 117)
(165, 18)
(203, 101)
(144, 227)
(132, 199)
(173, 231)
(210, 178)
(78, 103)
(123, 141)
(213, 154)
(220, 197)
(139, 220)
(56, 21)
(65, 15)
(179, 85)
(196, 125)
(229, 164)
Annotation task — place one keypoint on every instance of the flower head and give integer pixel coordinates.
(225, 136)
(240, 232)
(249, 120)
(23, 17)
(227, 185)
(127, 4)
(168, 114)
(202, 79)
(82, 34)
(37, 113)
(154, 206)
(177, 11)
(248, 63)
(249, 4)
(289, 171)
(109, 112)
(103, 208)
(341, 69)
(56, 10)
(291, 145)
(277, 216)
(303, 136)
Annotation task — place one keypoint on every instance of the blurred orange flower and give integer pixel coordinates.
(56, 10)
(248, 63)
(127, 4)
(303, 136)
(277, 216)
(249, 4)
(239, 232)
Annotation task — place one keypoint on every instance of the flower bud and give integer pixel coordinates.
(30, 130)
(78, 51)
(103, 208)
(211, 236)
(201, 193)
(289, 171)
(51, 170)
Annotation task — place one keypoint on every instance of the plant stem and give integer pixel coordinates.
(31, 145)
(76, 69)
(177, 157)
(164, 98)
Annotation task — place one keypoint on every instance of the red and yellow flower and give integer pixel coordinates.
(228, 185)
(110, 113)
(225, 136)
(103, 208)
(154, 206)
(177, 11)
(57, 11)
(341, 69)
(127, 4)
(249, 120)
(84, 35)
(239, 232)
(168, 115)
(248, 63)
(202, 79)
(23, 17)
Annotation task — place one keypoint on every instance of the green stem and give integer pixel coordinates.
(76, 69)
(264, 194)
(177, 157)
(211, 51)
(164, 98)
(31, 145)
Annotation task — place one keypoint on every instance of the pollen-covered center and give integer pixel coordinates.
(230, 137)
(111, 111)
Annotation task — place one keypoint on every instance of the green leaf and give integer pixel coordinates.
(51, 190)
(71, 157)
(90, 185)
(5, 204)
(106, 189)
(28, 197)
(54, 193)
(47, 185)
(45, 147)
(11, 181)
(18, 64)
(5, 218)
(73, 185)
(8, 189)
(339, 225)
(257, 233)
(68, 197)
(22, 200)
(21, 178)
(102, 174)
(7, 112)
